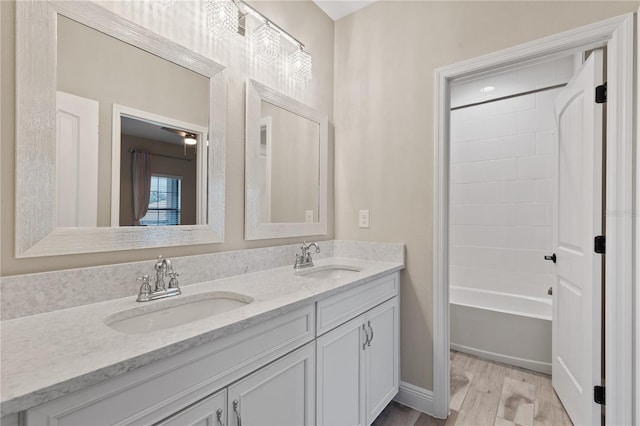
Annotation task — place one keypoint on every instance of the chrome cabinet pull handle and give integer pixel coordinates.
(237, 411)
(364, 345)
(370, 328)
(219, 417)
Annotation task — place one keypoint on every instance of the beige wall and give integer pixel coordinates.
(385, 58)
(96, 66)
(302, 18)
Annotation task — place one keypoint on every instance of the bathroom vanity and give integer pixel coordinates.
(315, 346)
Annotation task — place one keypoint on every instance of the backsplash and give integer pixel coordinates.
(31, 294)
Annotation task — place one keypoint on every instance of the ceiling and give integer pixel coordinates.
(337, 9)
(144, 129)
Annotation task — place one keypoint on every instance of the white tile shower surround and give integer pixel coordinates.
(502, 192)
(31, 294)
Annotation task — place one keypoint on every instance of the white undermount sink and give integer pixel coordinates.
(172, 313)
(329, 271)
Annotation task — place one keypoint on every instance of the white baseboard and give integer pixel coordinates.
(415, 397)
(529, 364)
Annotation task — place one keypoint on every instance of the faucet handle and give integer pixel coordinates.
(145, 288)
(173, 282)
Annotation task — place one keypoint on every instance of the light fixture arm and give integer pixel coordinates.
(250, 10)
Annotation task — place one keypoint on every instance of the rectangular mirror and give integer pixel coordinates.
(286, 166)
(112, 94)
(112, 153)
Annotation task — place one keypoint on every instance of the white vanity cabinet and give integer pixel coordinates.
(334, 362)
(358, 362)
(161, 389)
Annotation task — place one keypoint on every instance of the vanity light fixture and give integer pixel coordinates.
(300, 65)
(266, 43)
(222, 17)
(227, 17)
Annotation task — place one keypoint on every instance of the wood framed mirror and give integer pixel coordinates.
(286, 169)
(39, 196)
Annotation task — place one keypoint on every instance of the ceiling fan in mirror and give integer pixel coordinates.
(189, 139)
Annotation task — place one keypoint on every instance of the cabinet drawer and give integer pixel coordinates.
(156, 391)
(340, 308)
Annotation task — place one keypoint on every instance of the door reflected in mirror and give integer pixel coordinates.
(289, 166)
(113, 101)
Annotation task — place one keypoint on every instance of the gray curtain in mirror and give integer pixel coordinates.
(141, 181)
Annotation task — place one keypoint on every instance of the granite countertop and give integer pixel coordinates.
(49, 355)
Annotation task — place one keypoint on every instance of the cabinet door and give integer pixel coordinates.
(280, 394)
(340, 375)
(382, 357)
(210, 411)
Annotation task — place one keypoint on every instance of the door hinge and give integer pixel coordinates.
(599, 244)
(601, 94)
(598, 394)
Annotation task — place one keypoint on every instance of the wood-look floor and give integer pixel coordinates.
(485, 393)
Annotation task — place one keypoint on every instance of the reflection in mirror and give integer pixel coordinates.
(158, 176)
(107, 66)
(290, 157)
(99, 78)
(286, 166)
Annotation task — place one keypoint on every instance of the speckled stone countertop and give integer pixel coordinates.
(49, 355)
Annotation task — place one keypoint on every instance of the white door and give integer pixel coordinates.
(577, 298)
(340, 374)
(382, 357)
(76, 161)
(280, 394)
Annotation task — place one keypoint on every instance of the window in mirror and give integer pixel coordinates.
(164, 202)
(168, 156)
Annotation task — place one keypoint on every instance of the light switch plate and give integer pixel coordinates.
(363, 218)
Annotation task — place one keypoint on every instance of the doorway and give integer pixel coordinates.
(518, 138)
(617, 35)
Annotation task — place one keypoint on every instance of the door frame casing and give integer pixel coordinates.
(617, 34)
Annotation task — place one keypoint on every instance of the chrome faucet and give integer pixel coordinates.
(303, 259)
(163, 268)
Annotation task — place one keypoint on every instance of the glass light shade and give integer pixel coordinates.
(300, 67)
(266, 43)
(222, 17)
(190, 140)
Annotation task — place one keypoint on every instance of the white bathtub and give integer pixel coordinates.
(503, 327)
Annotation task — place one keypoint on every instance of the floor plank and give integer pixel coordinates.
(427, 420)
(517, 402)
(488, 393)
(396, 414)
